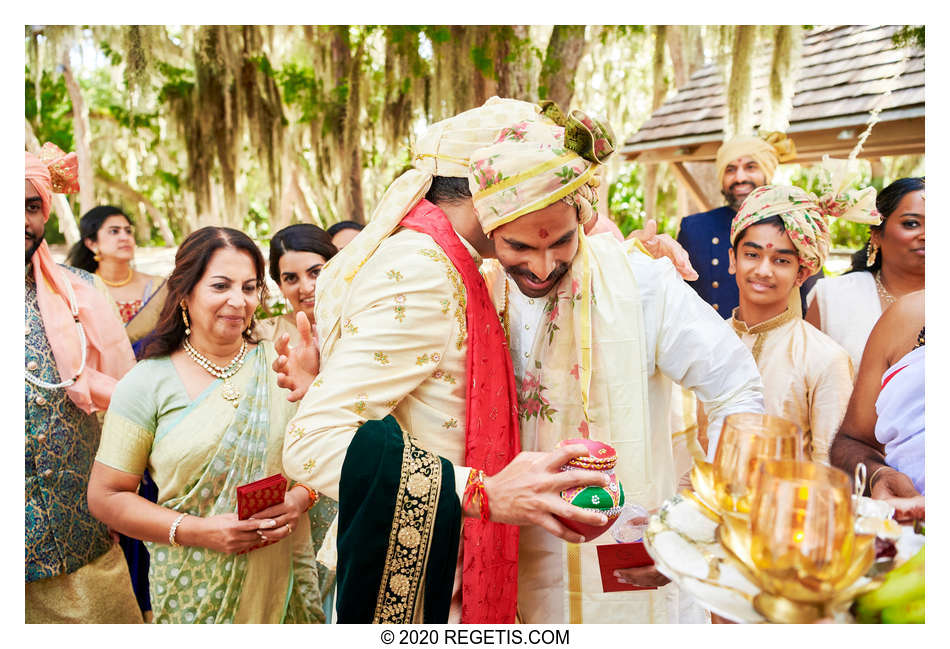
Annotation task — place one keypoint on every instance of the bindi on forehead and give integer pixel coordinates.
(769, 245)
(543, 234)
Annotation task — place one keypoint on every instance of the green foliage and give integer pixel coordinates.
(299, 89)
(179, 82)
(52, 119)
(909, 36)
(627, 204)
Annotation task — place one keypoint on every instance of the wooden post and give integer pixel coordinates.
(691, 185)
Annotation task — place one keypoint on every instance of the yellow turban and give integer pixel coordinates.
(767, 149)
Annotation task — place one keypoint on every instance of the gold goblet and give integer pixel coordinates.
(801, 528)
(746, 440)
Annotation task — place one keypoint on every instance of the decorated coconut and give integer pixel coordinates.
(605, 500)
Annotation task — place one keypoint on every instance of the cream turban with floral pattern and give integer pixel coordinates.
(534, 163)
(805, 215)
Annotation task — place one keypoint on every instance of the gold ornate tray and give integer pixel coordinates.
(706, 554)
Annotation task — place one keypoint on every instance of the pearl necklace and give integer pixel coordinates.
(884, 294)
(225, 373)
(120, 283)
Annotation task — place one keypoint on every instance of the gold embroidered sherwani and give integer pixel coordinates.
(400, 349)
(808, 376)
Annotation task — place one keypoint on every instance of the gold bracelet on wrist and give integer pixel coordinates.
(173, 529)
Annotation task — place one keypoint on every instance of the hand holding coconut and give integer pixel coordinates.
(528, 492)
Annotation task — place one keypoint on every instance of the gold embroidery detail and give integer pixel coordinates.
(382, 358)
(296, 431)
(394, 275)
(445, 376)
(410, 537)
(422, 360)
(436, 357)
(308, 465)
(417, 485)
(392, 404)
(399, 584)
(451, 423)
(360, 406)
(318, 382)
(351, 328)
(458, 292)
(445, 305)
(399, 313)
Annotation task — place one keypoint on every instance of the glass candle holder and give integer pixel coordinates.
(746, 440)
(801, 523)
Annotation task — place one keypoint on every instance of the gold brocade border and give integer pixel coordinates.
(401, 586)
(576, 612)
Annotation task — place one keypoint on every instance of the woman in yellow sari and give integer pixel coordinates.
(204, 414)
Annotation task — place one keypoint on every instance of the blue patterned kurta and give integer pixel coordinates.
(61, 443)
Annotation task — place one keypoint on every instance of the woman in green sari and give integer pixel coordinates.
(203, 413)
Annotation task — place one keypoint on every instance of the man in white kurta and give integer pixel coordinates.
(807, 375)
(597, 334)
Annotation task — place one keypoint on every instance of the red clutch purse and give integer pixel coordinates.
(258, 496)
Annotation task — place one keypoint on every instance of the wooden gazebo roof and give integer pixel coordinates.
(844, 73)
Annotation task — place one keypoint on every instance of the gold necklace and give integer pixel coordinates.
(118, 284)
(230, 393)
(884, 294)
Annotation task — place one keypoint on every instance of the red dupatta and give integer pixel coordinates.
(490, 559)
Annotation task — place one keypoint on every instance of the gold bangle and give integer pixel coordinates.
(173, 529)
(874, 475)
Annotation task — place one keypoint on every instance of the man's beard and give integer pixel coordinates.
(731, 199)
(37, 240)
(557, 274)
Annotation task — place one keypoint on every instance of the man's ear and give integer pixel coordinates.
(802, 275)
(732, 261)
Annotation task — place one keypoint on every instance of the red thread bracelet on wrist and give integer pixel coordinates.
(475, 492)
(311, 493)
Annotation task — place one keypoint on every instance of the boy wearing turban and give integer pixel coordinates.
(597, 332)
(779, 238)
(742, 164)
(76, 350)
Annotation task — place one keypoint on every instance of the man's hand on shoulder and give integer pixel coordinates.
(663, 245)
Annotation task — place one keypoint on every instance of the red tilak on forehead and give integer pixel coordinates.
(543, 233)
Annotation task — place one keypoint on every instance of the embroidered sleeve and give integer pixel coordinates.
(397, 332)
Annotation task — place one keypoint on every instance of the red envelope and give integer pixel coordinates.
(258, 496)
(621, 555)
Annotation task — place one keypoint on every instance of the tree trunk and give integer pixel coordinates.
(65, 216)
(786, 52)
(739, 91)
(511, 68)
(565, 50)
(155, 216)
(483, 84)
(660, 88)
(87, 198)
